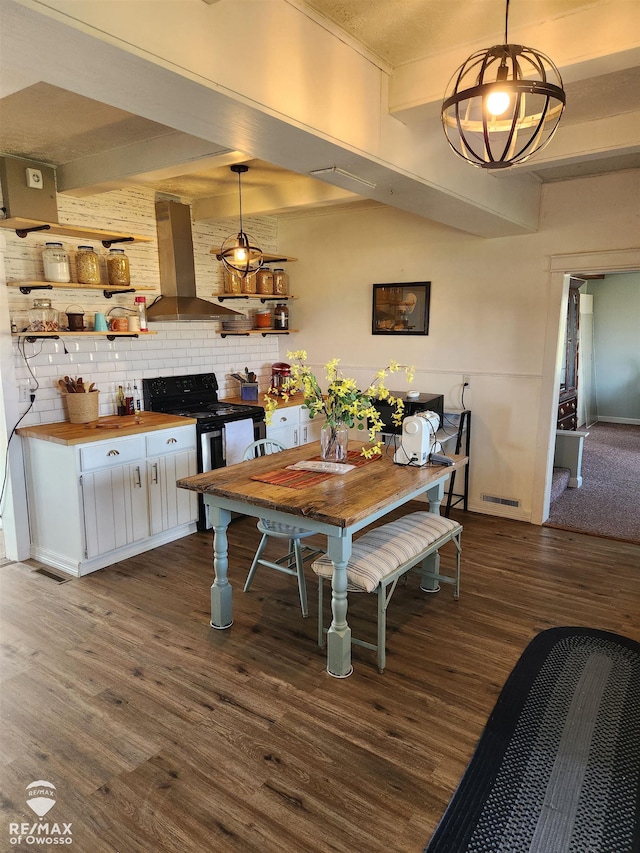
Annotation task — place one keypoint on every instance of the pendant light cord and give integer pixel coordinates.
(240, 197)
(506, 24)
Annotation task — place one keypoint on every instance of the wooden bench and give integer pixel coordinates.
(380, 557)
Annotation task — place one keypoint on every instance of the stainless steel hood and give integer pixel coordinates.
(177, 270)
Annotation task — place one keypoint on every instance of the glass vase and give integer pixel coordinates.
(333, 442)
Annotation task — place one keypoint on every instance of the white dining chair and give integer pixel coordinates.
(293, 562)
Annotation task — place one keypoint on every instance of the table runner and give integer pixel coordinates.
(305, 479)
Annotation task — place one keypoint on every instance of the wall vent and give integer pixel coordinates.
(492, 499)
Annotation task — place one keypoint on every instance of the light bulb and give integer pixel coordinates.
(240, 255)
(498, 103)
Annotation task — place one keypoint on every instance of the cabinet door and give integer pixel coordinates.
(285, 427)
(169, 506)
(115, 508)
(289, 436)
(310, 428)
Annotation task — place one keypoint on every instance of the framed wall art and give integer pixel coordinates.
(401, 309)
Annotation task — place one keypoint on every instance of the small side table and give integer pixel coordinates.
(463, 438)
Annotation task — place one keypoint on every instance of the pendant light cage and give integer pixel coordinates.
(502, 105)
(238, 254)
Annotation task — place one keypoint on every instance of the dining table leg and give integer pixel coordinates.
(221, 592)
(339, 634)
(431, 566)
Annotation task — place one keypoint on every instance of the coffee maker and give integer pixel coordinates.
(280, 372)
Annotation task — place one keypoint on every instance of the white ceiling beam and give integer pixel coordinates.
(599, 39)
(331, 112)
(614, 136)
(156, 159)
(265, 201)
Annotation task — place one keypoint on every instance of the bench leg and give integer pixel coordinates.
(320, 613)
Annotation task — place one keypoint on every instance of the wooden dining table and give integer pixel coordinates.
(336, 505)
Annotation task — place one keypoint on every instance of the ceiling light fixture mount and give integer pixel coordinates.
(502, 105)
(237, 253)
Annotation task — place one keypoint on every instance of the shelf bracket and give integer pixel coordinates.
(235, 296)
(109, 293)
(236, 334)
(31, 339)
(113, 337)
(28, 290)
(272, 332)
(22, 232)
(108, 243)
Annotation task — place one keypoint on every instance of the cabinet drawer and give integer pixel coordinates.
(170, 440)
(106, 454)
(288, 416)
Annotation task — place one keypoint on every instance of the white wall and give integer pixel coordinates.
(616, 309)
(490, 312)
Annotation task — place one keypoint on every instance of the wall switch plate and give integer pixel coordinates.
(34, 179)
(466, 381)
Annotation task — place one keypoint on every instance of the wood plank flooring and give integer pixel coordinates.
(163, 735)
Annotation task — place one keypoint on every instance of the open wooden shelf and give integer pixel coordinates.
(22, 227)
(263, 297)
(268, 259)
(29, 335)
(107, 289)
(263, 332)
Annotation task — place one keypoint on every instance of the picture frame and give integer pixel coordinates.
(401, 309)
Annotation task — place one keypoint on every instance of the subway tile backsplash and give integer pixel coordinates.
(176, 348)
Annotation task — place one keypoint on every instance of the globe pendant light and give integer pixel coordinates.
(236, 253)
(502, 105)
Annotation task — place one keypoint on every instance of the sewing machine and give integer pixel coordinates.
(418, 439)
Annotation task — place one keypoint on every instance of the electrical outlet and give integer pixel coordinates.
(34, 179)
(466, 381)
(25, 392)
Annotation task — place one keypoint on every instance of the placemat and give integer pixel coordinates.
(305, 479)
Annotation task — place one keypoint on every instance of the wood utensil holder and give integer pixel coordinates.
(83, 408)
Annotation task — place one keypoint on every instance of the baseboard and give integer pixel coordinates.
(634, 421)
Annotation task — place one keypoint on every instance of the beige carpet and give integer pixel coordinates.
(608, 504)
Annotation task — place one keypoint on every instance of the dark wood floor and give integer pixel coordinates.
(162, 734)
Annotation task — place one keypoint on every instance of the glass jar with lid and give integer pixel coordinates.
(280, 285)
(42, 317)
(250, 283)
(232, 282)
(118, 268)
(281, 317)
(56, 263)
(87, 266)
(265, 281)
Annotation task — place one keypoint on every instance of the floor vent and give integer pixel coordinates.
(47, 574)
(492, 499)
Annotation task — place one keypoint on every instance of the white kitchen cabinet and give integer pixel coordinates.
(292, 426)
(91, 505)
(171, 456)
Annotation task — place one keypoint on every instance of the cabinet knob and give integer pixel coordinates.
(172, 441)
(113, 453)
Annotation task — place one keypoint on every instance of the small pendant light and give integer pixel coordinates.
(236, 253)
(502, 105)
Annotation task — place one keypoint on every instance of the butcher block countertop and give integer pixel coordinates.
(108, 427)
(295, 400)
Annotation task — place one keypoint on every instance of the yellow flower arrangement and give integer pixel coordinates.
(343, 402)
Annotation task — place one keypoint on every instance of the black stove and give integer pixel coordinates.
(196, 396)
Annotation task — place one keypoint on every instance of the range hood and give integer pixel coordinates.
(178, 301)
